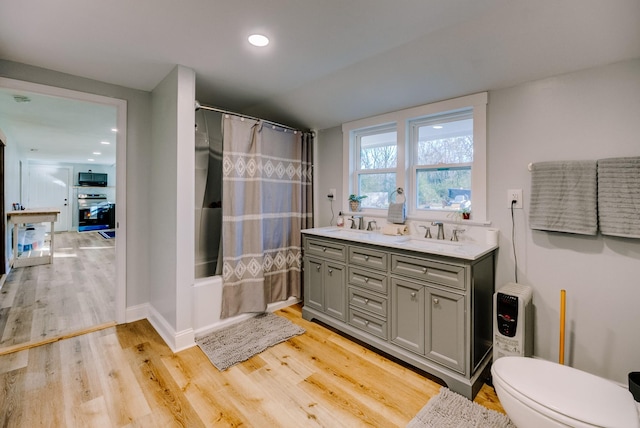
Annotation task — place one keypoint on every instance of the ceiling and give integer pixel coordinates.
(329, 61)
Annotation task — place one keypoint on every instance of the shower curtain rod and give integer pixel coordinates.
(219, 110)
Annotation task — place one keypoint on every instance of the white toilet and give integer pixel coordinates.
(539, 393)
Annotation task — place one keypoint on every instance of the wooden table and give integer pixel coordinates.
(34, 215)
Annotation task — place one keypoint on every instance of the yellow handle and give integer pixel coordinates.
(563, 302)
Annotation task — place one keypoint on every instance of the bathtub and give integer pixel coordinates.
(207, 306)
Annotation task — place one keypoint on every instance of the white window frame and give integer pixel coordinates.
(358, 171)
(414, 125)
(404, 170)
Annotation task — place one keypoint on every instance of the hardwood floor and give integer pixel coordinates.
(74, 293)
(126, 376)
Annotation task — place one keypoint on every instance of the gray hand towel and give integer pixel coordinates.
(563, 197)
(619, 196)
(397, 213)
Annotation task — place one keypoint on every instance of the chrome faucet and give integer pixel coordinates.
(454, 236)
(427, 231)
(440, 229)
(369, 225)
(360, 224)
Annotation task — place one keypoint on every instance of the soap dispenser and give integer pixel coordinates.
(340, 221)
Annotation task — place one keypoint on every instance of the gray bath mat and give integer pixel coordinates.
(448, 409)
(241, 341)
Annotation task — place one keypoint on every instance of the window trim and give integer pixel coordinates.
(401, 119)
(358, 171)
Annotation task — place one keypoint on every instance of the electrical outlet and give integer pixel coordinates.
(514, 195)
(332, 194)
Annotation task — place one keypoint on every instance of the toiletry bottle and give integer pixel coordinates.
(340, 221)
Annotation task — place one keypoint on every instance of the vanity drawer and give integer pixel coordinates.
(439, 273)
(367, 279)
(368, 301)
(368, 323)
(368, 258)
(328, 249)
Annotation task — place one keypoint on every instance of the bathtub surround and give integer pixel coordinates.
(208, 193)
(267, 177)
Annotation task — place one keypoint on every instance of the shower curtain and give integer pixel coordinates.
(267, 192)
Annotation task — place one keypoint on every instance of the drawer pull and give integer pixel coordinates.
(330, 271)
(324, 248)
(424, 270)
(366, 279)
(366, 258)
(318, 267)
(413, 294)
(366, 322)
(436, 301)
(366, 300)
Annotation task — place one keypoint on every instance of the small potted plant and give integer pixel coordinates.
(466, 213)
(354, 202)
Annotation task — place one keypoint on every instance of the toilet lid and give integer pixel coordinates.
(568, 391)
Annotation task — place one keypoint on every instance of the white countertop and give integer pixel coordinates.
(460, 250)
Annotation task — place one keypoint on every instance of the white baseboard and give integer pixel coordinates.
(177, 341)
(185, 339)
(137, 313)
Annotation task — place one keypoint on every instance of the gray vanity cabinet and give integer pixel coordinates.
(408, 315)
(444, 316)
(431, 311)
(325, 278)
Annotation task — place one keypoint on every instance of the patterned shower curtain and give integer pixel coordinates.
(267, 200)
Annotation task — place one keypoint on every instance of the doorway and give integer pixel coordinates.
(118, 277)
(50, 186)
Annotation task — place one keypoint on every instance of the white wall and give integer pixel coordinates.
(590, 114)
(171, 235)
(138, 147)
(328, 175)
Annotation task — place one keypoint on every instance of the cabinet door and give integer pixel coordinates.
(445, 328)
(407, 311)
(335, 290)
(313, 287)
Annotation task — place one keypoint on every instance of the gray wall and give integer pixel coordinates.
(590, 114)
(138, 147)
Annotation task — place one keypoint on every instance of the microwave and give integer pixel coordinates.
(92, 179)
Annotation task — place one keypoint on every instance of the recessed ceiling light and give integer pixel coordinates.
(105, 142)
(437, 126)
(91, 160)
(114, 129)
(97, 153)
(258, 40)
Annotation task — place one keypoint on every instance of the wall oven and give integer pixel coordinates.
(95, 212)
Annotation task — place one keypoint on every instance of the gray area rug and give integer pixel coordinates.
(448, 409)
(239, 342)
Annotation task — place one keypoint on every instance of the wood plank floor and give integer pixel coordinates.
(126, 376)
(74, 293)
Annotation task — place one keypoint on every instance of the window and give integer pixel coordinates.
(442, 148)
(377, 152)
(436, 152)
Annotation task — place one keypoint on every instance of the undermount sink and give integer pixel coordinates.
(366, 235)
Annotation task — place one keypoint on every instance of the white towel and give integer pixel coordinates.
(393, 230)
(619, 196)
(563, 197)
